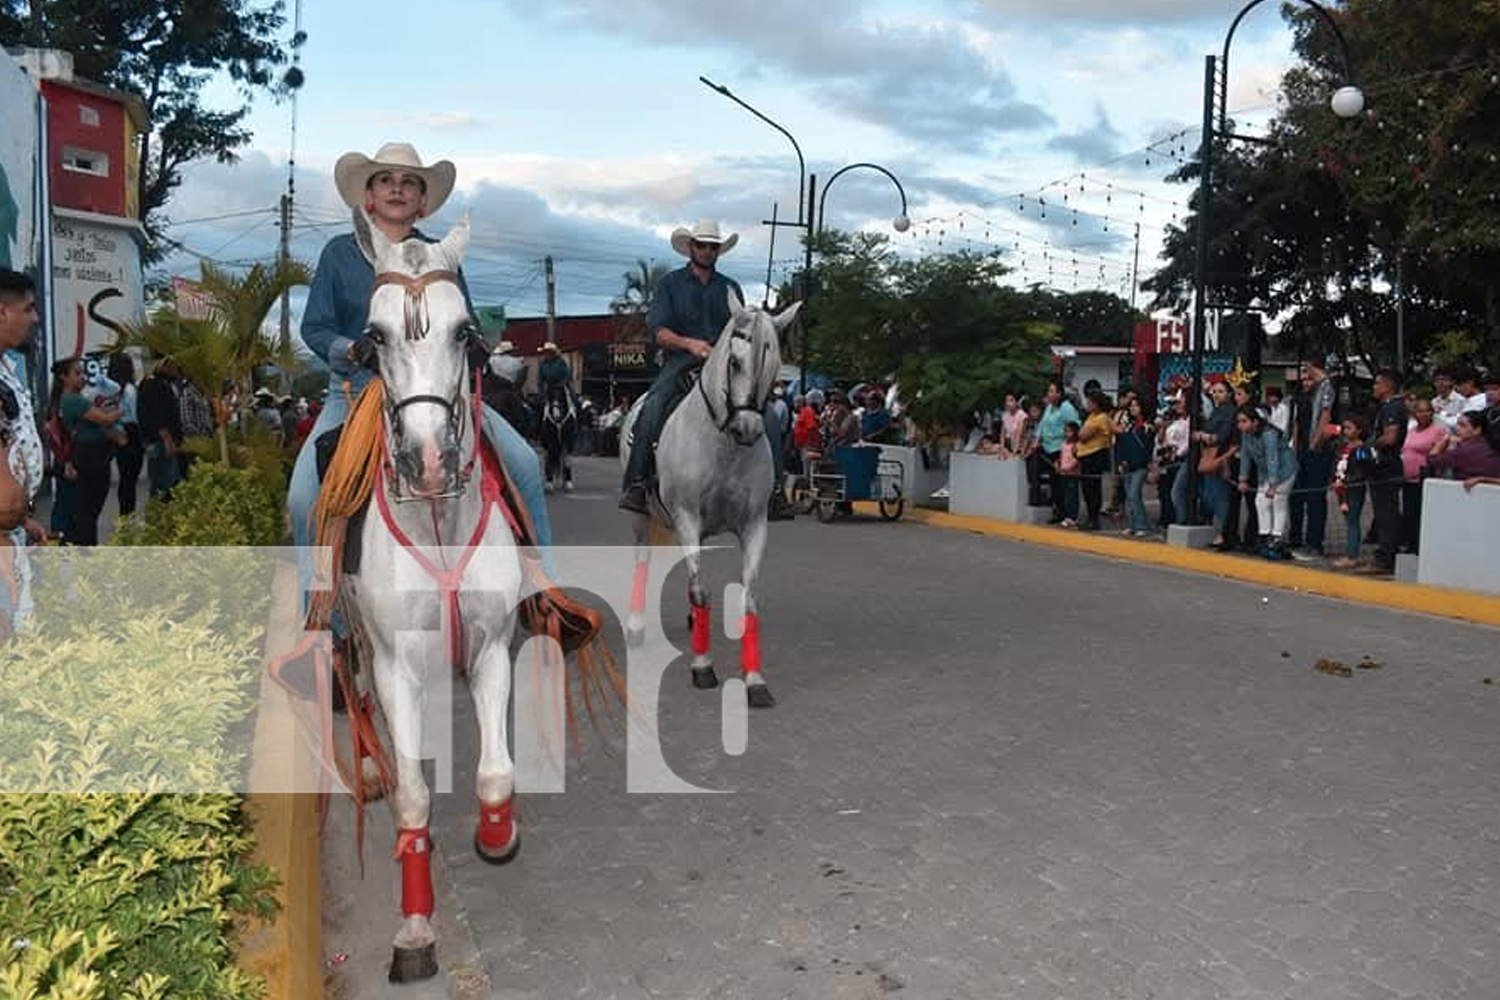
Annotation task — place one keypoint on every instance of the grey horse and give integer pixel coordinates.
(714, 476)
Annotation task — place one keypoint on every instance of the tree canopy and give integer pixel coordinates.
(1321, 225)
(164, 51)
(945, 326)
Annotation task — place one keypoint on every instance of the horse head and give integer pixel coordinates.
(420, 324)
(742, 369)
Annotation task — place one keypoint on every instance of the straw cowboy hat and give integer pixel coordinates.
(704, 231)
(504, 347)
(550, 348)
(353, 171)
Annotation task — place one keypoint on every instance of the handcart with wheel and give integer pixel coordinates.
(859, 472)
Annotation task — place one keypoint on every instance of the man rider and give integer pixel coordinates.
(689, 310)
(393, 190)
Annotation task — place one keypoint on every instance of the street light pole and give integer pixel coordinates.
(1347, 102)
(801, 163)
(901, 223)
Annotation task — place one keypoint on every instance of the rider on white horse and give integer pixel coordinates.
(689, 310)
(393, 190)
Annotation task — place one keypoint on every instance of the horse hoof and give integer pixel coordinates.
(635, 638)
(412, 965)
(759, 696)
(705, 678)
(505, 857)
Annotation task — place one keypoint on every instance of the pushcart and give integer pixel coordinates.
(857, 473)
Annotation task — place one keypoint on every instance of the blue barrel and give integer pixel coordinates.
(858, 466)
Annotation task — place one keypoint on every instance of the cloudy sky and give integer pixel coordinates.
(580, 129)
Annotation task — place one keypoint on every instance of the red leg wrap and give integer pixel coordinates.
(415, 851)
(638, 587)
(700, 629)
(496, 825)
(750, 645)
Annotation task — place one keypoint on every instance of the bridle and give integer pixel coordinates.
(416, 324)
(731, 408)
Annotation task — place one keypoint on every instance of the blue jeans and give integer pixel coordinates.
(162, 472)
(1309, 510)
(1135, 500)
(519, 458)
(1216, 494)
(1353, 532)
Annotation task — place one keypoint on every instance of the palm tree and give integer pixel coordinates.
(634, 300)
(229, 345)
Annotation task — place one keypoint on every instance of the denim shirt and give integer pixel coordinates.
(338, 306)
(688, 307)
(1269, 453)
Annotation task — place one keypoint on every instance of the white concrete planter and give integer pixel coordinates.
(988, 487)
(1460, 536)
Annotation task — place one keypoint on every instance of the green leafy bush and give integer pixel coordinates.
(216, 505)
(134, 678)
(129, 896)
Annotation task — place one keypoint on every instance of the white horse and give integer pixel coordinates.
(433, 508)
(714, 475)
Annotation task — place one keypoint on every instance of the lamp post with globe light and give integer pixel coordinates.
(1347, 102)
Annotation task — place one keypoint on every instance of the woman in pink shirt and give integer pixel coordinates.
(1422, 439)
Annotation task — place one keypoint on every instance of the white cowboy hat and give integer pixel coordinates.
(504, 347)
(353, 171)
(704, 231)
(550, 346)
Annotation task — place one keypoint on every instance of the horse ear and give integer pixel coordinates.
(456, 243)
(736, 304)
(366, 235)
(784, 319)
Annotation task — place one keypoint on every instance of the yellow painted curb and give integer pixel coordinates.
(1463, 605)
(288, 950)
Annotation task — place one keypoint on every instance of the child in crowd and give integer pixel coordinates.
(1349, 487)
(1067, 469)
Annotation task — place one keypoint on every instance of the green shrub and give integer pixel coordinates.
(216, 505)
(135, 677)
(125, 896)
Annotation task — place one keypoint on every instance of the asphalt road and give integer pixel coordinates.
(997, 770)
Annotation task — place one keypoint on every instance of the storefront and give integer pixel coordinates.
(613, 371)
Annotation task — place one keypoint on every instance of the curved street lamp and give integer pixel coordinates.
(900, 223)
(1346, 102)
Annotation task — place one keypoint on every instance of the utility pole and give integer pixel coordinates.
(807, 276)
(770, 256)
(1135, 271)
(1400, 312)
(551, 300)
(284, 345)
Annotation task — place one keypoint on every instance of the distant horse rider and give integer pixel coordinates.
(504, 377)
(553, 375)
(689, 310)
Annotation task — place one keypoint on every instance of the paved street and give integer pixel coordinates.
(997, 770)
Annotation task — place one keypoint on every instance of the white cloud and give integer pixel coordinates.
(427, 121)
(939, 83)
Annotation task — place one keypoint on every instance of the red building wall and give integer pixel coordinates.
(71, 117)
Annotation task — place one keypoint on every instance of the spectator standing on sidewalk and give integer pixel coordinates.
(1065, 472)
(1057, 413)
(1135, 450)
(1095, 444)
(1171, 453)
(1312, 414)
(1349, 487)
(1424, 435)
(1268, 468)
(1447, 403)
(1387, 435)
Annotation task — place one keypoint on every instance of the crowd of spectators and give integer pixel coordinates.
(1267, 463)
